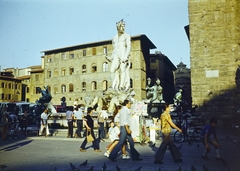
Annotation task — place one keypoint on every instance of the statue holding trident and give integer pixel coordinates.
(120, 58)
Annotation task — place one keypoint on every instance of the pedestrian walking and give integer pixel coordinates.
(167, 125)
(89, 124)
(125, 133)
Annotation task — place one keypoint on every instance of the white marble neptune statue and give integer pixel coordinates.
(120, 58)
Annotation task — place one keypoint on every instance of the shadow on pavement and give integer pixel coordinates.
(16, 145)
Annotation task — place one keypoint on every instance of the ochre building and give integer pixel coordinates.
(78, 71)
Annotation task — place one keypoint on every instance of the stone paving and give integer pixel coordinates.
(38, 153)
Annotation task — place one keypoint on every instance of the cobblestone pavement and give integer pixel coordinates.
(37, 153)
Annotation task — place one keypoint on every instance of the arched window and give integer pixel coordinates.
(63, 56)
(55, 88)
(83, 86)
(71, 71)
(84, 52)
(131, 83)
(63, 87)
(49, 74)
(105, 67)
(70, 87)
(36, 77)
(105, 50)
(105, 85)
(94, 51)
(55, 73)
(94, 68)
(9, 85)
(94, 85)
(9, 97)
(2, 85)
(84, 69)
(63, 71)
(2, 96)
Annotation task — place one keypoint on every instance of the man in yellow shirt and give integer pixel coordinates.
(167, 126)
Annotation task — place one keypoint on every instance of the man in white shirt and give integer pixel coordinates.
(102, 117)
(69, 117)
(79, 116)
(44, 124)
(125, 133)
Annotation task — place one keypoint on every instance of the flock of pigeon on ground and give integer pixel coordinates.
(104, 167)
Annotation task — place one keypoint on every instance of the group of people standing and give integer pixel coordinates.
(75, 114)
(10, 123)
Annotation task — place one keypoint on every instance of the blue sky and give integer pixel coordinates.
(28, 27)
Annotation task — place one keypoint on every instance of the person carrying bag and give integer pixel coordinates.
(89, 124)
(89, 136)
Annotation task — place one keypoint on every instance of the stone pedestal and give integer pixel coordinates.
(154, 110)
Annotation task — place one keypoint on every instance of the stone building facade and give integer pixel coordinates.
(10, 87)
(79, 71)
(215, 55)
(26, 81)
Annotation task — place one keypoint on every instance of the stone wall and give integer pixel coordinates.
(215, 55)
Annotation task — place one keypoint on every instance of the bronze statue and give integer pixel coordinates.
(46, 96)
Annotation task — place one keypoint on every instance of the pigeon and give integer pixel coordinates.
(193, 168)
(118, 168)
(3, 166)
(235, 142)
(138, 169)
(224, 162)
(73, 167)
(228, 138)
(91, 169)
(179, 168)
(205, 168)
(84, 163)
(104, 167)
(179, 147)
(56, 169)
